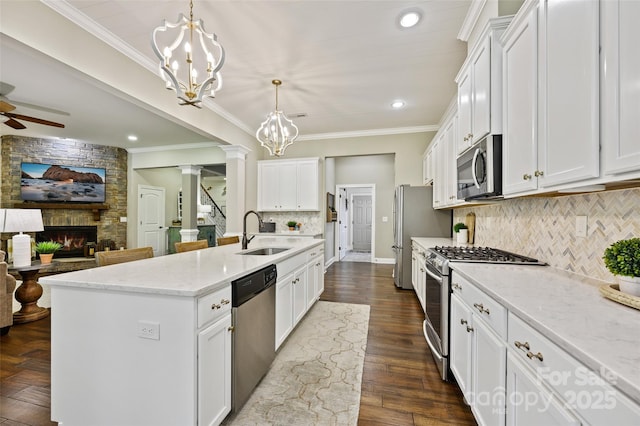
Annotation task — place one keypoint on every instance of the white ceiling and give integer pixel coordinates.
(341, 62)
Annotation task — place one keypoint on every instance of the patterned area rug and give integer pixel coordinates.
(316, 376)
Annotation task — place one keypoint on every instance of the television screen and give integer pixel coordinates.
(58, 183)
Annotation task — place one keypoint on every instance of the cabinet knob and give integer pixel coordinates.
(521, 345)
(526, 176)
(469, 329)
(531, 355)
(465, 139)
(318, 264)
(538, 173)
(231, 328)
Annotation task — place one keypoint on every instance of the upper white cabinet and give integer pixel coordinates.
(620, 82)
(551, 101)
(288, 185)
(480, 88)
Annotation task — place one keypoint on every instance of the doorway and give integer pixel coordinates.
(356, 211)
(151, 218)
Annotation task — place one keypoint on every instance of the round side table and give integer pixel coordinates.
(28, 294)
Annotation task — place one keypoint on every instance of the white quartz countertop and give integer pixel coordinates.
(569, 310)
(566, 308)
(183, 274)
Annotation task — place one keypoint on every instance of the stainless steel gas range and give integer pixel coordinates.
(438, 292)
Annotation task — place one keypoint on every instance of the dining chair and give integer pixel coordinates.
(181, 247)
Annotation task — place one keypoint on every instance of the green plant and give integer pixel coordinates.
(292, 224)
(623, 257)
(458, 226)
(47, 247)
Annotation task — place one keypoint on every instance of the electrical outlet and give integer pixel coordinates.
(123, 219)
(149, 330)
(581, 226)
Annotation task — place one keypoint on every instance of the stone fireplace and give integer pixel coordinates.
(72, 238)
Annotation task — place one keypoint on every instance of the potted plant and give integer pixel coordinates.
(292, 225)
(622, 258)
(46, 249)
(462, 232)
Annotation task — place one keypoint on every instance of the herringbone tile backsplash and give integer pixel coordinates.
(545, 228)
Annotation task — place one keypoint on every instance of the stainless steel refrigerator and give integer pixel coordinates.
(414, 216)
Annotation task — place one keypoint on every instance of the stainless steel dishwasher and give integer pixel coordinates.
(253, 315)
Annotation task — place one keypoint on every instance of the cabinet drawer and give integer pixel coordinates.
(315, 252)
(214, 305)
(482, 305)
(588, 393)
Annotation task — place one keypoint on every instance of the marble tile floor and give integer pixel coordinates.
(357, 256)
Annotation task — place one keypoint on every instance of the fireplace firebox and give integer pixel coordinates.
(72, 238)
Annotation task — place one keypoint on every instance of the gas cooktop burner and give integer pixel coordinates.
(483, 255)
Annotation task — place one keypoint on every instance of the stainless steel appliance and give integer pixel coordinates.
(414, 216)
(253, 315)
(438, 289)
(480, 170)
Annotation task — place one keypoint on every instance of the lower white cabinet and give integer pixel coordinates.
(461, 344)
(299, 285)
(214, 372)
(284, 308)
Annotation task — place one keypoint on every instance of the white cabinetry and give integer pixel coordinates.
(444, 162)
(288, 185)
(300, 283)
(427, 166)
(480, 88)
(478, 350)
(418, 274)
(553, 45)
(620, 105)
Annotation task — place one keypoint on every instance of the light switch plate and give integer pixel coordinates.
(581, 226)
(385, 218)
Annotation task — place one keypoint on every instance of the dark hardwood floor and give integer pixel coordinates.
(400, 383)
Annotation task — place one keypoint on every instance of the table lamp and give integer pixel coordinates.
(22, 220)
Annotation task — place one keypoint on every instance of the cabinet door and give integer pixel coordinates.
(287, 186)
(312, 278)
(268, 187)
(308, 189)
(299, 295)
(481, 92)
(529, 403)
(519, 141)
(319, 268)
(620, 90)
(489, 373)
(214, 372)
(451, 172)
(284, 308)
(464, 112)
(569, 140)
(461, 339)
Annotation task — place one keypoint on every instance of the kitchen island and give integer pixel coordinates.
(149, 342)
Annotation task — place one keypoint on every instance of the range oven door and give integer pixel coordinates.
(436, 324)
(479, 170)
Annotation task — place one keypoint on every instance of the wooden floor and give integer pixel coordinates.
(400, 383)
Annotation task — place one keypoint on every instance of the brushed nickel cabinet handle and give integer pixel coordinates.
(456, 286)
(231, 328)
(521, 345)
(225, 301)
(531, 355)
(463, 321)
(215, 306)
(526, 176)
(469, 329)
(481, 308)
(538, 173)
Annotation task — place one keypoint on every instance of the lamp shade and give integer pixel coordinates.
(23, 220)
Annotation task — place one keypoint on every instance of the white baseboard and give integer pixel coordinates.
(384, 260)
(329, 262)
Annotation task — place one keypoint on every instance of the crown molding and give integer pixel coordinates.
(372, 132)
(162, 148)
(471, 19)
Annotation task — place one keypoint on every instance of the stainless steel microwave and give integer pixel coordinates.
(480, 170)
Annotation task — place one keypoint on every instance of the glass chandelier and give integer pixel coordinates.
(277, 132)
(199, 58)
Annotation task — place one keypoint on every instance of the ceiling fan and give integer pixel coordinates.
(6, 107)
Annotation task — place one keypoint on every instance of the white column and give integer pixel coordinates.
(190, 180)
(236, 156)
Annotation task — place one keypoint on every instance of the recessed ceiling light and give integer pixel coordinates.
(132, 138)
(397, 104)
(409, 18)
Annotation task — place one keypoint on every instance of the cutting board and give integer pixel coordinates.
(470, 221)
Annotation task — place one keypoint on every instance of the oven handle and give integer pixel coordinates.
(434, 276)
(473, 168)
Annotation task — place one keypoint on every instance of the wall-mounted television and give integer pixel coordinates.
(54, 183)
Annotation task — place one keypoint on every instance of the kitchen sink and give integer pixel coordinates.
(265, 251)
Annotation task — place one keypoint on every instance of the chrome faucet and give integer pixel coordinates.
(245, 241)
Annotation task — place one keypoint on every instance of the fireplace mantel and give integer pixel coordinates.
(94, 207)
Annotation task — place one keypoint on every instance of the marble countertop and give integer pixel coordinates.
(183, 274)
(290, 234)
(569, 310)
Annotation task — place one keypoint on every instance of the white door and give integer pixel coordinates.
(151, 229)
(362, 223)
(343, 223)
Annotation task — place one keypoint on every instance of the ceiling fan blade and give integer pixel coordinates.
(36, 107)
(33, 119)
(15, 124)
(6, 107)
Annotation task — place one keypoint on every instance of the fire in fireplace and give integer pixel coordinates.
(72, 238)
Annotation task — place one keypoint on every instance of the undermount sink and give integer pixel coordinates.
(265, 251)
